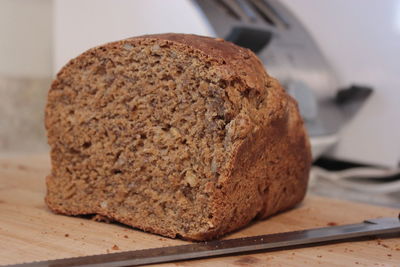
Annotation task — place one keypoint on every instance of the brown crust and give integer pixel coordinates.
(239, 61)
(267, 169)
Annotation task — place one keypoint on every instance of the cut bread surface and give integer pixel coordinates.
(174, 134)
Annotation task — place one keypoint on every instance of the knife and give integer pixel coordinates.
(260, 243)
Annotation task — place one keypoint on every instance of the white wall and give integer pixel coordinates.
(82, 24)
(361, 39)
(25, 38)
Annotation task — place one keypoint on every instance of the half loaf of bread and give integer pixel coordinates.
(179, 135)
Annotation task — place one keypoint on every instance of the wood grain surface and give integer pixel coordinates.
(30, 232)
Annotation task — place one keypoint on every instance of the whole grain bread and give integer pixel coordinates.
(179, 135)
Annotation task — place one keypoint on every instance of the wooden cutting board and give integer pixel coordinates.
(30, 232)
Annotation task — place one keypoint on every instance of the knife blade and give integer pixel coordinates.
(260, 243)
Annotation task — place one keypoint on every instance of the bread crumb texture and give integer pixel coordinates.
(180, 135)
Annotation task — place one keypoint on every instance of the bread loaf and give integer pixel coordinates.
(179, 135)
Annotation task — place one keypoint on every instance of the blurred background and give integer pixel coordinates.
(340, 59)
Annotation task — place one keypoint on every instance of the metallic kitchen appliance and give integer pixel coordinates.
(290, 54)
(269, 29)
